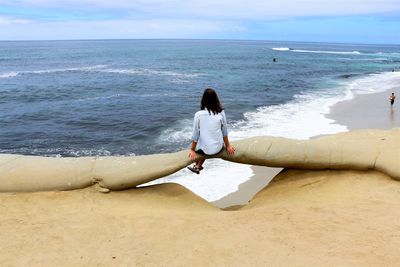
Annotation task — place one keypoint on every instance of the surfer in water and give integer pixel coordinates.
(392, 98)
(210, 131)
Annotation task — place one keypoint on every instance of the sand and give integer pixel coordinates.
(302, 218)
(247, 190)
(306, 218)
(368, 111)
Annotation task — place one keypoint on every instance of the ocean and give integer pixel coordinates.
(138, 97)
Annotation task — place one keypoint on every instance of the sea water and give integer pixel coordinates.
(138, 97)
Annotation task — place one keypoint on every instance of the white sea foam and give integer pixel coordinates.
(316, 51)
(300, 118)
(178, 77)
(175, 134)
(281, 48)
(103, 97)
(8, 74)
(374, 59)
(388, 53)
(374, 83)
(57, 152)
(327, 52)
(16, 73)
(88, 68)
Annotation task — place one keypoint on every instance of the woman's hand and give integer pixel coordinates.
(192, 155)
(230, 150)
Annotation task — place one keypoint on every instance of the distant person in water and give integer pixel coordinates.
(209, 130)
(274, 60)
(392, 98)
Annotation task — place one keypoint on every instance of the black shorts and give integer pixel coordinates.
(201, 152)
(391, 102)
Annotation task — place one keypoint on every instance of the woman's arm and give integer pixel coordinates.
(229, 148)
(192, 153)
(193, 146)
(195, 137)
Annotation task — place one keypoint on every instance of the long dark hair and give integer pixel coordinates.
(210, 101)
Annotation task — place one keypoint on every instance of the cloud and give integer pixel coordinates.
(12, 21)
(219, 9)
(250, 19)
(115, 29)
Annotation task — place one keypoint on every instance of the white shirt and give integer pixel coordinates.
(209, 130)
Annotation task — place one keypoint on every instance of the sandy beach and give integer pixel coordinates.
(368, 111)
(302, 218)
(363, 112)
(305, 218)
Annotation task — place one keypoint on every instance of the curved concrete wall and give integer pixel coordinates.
(358, 150)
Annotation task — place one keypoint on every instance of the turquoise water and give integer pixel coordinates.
(133, 97)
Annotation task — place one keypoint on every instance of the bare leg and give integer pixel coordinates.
(199, 163)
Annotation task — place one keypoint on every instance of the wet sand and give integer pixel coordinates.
(247, 190)
(368, 112)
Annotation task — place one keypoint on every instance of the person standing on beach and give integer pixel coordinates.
(209, 130)
(392, 98)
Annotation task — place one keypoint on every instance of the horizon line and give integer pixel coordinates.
(198, 39)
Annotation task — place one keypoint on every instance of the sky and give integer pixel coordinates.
(341, 21)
